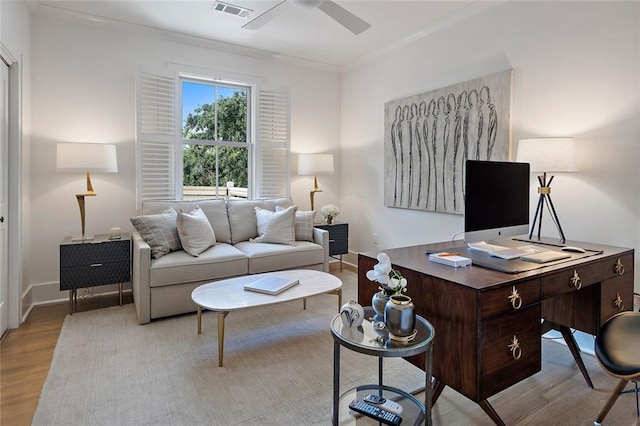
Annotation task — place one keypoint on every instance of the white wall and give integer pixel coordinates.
(576, 73)
(83, 90)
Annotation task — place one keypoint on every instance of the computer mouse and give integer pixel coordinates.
(573, 249)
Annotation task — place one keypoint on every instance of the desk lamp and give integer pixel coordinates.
(86, 158)
(313, 165)
(547, 155)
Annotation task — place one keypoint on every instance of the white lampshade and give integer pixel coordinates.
(315, 164)
(86, 157)
(548, 154)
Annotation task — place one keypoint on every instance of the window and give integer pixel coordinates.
(193, 149)
(215, 140)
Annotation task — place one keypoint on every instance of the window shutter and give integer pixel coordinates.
(272, 145)
(156, 137)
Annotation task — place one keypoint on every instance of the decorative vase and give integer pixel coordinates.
(352, 314)
(378, 302)
(400, 317)
(329, 220)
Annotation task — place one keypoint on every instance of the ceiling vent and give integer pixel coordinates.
(231, 9)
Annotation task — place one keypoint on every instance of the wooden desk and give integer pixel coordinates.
(484, 341)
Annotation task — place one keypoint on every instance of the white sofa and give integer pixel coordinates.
(163, 286)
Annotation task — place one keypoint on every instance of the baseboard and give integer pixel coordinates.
(49, 293)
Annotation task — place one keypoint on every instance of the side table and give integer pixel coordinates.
(369, 340)
(338, 239)
(96, 262)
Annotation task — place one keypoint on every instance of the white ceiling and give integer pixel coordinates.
(297, 32)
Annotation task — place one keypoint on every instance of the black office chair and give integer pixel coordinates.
(617, 350)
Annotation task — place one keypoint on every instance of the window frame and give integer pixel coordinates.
(249, 144)
(158, 122)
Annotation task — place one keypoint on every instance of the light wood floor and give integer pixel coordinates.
(557, 395)
(26, 353)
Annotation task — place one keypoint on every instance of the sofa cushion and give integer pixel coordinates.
(242, 219)
(159, 231)
(303, 225)
(266, 257)
(194, 229)
(220, 261)
(216, 212)
(242, 216)
(272, 203)
(275, 227)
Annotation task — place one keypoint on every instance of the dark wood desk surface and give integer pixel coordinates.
(477, 324)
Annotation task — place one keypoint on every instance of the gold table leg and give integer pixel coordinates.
(221, 317)
(199, 319)
(70, 302)
(120, 292)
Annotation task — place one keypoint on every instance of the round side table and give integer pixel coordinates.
(370, 339)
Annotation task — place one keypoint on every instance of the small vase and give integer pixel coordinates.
(329, 220)
(378, 302)
(400, 317)
(352, 314)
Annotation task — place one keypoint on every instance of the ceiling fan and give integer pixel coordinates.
(338, 13)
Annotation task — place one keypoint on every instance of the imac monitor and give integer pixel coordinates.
(496, 200)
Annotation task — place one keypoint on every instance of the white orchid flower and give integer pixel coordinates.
(390, 280)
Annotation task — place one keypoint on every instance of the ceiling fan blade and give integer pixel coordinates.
(265, 17)
(344, 17)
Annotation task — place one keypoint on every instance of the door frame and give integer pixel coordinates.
(15, 255)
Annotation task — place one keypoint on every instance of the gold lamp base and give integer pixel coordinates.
(80, 197)
(313, 193)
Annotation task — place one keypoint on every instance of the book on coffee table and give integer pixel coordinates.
(271, 285)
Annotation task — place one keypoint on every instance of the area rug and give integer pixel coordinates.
(278, 368)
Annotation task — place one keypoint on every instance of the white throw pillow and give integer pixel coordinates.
(195, 231)
(303, 224)
(159, 231)
(275, 227)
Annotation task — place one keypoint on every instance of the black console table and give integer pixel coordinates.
(338, 239)
(96, 262)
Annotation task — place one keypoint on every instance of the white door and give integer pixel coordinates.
(4, 195)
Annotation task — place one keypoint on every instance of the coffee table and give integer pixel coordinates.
(229, 295)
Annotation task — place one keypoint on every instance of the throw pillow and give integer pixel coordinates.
(159, 231)
(275, 227)
(195, 231)
(303, 224)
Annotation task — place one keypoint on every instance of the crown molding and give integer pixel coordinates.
(57, 12)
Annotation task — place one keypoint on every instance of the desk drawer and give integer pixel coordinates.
(90, 253)
(74, 277)
(502, 364)
(510, 298)
(616, 295)
(582, 275)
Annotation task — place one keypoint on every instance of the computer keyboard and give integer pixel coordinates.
(485, 247)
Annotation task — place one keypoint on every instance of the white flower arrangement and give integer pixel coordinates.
(390, 280)
(329, 212)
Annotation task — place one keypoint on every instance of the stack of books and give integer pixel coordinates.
(450, 259)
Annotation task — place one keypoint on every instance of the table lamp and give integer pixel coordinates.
(547, 155)
(314, 165)
(86, 158)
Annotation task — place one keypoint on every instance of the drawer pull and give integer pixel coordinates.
(575, 281)
(516, 300)
(618, 302)
(619, 267)
(96, 265)
(514, 347)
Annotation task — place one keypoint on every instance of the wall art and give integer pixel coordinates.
(429, 136)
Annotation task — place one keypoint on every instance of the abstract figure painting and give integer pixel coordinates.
(429, 136)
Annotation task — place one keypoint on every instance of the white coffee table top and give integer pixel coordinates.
(229, 295)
